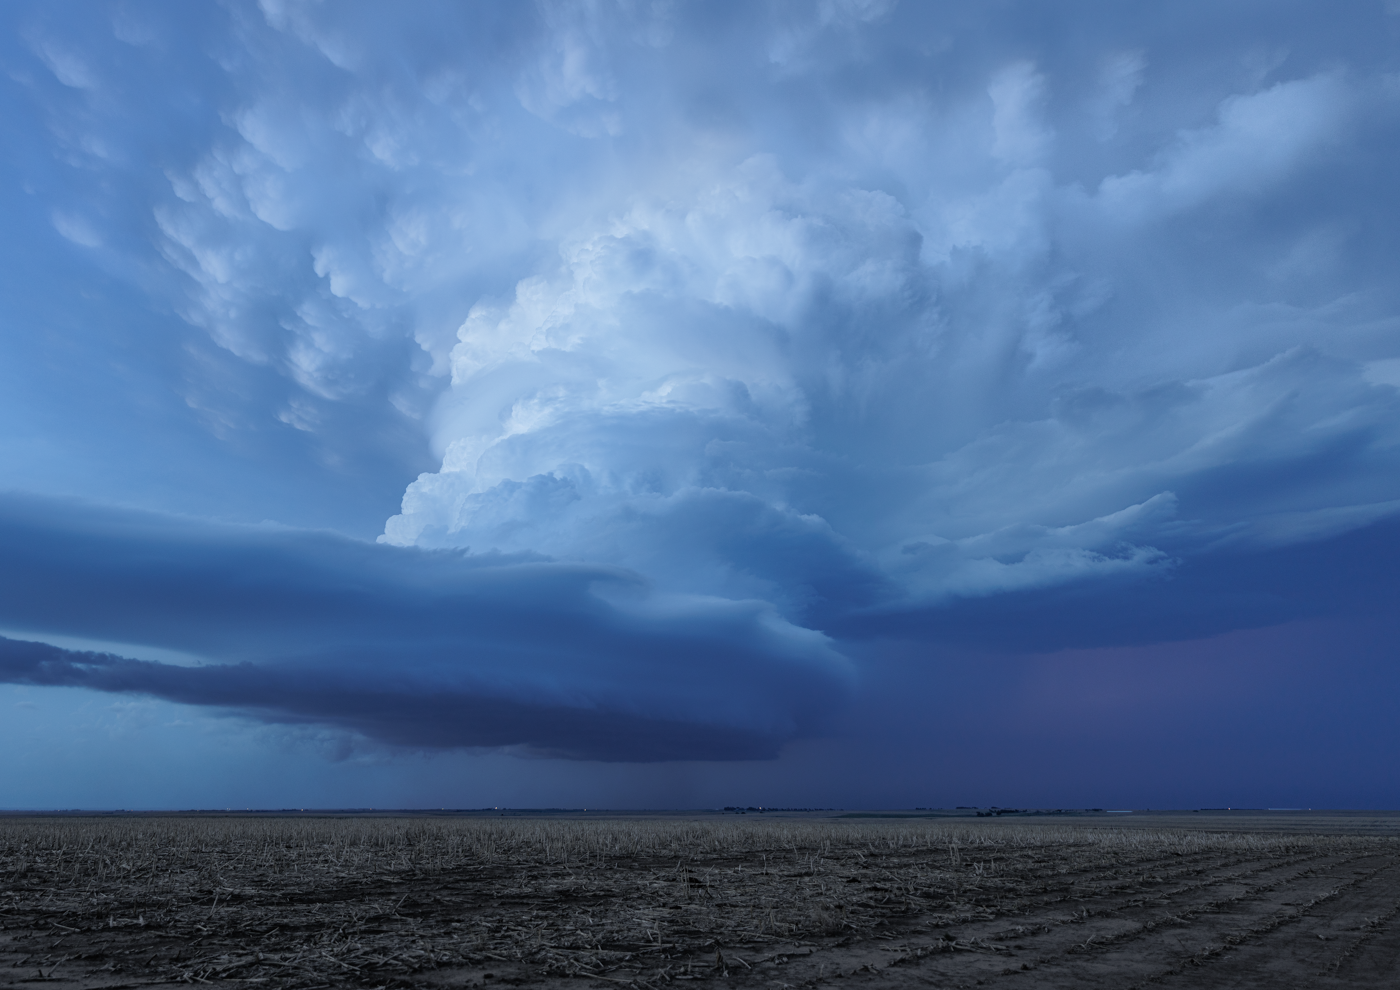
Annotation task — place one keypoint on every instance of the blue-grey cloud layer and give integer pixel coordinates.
(852, 318)
(409, 647)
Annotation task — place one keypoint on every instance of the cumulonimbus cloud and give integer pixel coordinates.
(899, 316)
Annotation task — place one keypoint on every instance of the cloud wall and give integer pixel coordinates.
(406, 646)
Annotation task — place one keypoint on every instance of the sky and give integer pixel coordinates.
(843, 403)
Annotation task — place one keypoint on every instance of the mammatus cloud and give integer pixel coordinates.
(902, 317)
(408, 647)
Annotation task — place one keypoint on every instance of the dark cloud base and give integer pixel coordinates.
(406, 719)
(416, 648)
(409, 647)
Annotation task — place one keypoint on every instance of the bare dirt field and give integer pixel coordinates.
(302, 902)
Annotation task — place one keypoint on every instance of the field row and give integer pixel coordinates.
(310, 903)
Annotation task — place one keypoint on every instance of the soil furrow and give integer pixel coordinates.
(300, 904)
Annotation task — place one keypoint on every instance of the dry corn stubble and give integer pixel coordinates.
(306, 902)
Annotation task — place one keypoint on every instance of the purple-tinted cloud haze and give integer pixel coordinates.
(561, 393)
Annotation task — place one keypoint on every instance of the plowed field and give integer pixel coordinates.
(303, 903)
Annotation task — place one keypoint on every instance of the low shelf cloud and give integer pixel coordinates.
(408, 647)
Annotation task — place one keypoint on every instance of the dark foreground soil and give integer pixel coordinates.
(391, 903)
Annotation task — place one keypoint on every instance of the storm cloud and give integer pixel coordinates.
(686, 350)
(409, 647)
